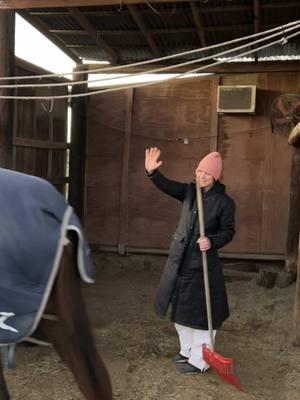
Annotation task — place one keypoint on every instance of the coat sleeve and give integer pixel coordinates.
(172, 188)
(226, 223)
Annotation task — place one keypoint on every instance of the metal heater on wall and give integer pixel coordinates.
(236, 99)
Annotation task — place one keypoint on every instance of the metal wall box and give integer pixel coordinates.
(236, 99)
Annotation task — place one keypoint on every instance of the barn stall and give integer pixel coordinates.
(129, 224)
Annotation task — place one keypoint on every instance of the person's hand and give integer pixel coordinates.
(151, 159)
(204, 243)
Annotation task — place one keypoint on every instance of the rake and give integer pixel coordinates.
(223, 366)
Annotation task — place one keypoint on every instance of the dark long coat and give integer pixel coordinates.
(182, 283)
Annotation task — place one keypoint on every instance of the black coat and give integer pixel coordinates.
(182, 282)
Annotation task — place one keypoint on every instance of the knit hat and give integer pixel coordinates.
(212, 164)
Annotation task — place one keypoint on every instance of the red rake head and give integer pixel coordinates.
(221, 365)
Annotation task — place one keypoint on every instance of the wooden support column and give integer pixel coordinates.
(297, 302)
(214, 127)
(7, 68)
(77, 147)
(123, 214)
(294, 215)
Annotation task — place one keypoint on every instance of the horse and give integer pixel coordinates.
(65, 324)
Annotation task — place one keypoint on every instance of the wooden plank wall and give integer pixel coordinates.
(159, 116)
(122, 207)
(40, 134)
(257, 167)
(104, 155)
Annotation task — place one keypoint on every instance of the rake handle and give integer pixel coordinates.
(204, 263)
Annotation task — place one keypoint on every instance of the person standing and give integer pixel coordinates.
(182, 283)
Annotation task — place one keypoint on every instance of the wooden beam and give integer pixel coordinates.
(294, 215)
(79, 32)
(280, 5)
(13, 4)
(19, 4)
(98, 13)
(123, 205)
(229, 28)
(7, 68)
(165, 31)
(82, 20)
(102, 32)
(226, 68)
(199, 24)
(296, 310)
(82, 46)
(214, 125)
(41, 26)
(145, 31)
(203, 10)
(40, 144)
(77, 147)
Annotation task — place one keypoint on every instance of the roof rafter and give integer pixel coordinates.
(256, 12)
(19, 4)
(230, 67)
(198, 23)
(138, 19)
(82, 20)
(160, 31)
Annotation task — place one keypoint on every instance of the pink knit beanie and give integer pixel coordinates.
(212, 164)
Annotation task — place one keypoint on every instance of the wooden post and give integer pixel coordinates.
(294, 215)
(297, 302)
(77, 147)
(213, 146)
(123, 214)
(7, 68)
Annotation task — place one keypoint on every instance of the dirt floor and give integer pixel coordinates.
(137, 347)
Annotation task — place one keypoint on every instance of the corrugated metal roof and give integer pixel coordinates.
(64, 22)
(167, 27)
(118, 22)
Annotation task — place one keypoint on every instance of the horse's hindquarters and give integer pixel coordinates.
(71, 334)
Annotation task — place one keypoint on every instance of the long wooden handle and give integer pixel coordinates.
(204, 263)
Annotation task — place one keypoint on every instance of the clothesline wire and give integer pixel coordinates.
(93, 93)
(118, 67)
(160, 69)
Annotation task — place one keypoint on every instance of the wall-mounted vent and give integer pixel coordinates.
(236, 99)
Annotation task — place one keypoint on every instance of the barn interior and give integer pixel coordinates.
(92, 149)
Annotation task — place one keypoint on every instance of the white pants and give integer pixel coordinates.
(191, 341)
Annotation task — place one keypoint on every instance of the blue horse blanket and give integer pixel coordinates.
(35, 220)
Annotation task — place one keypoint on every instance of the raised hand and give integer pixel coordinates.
(151, 159)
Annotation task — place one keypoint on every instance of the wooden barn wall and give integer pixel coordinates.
(120, 126)
(123, 208)
(40, 133)
(104, 158)
(257, 167)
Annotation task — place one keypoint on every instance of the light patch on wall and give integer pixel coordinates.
(121, 79)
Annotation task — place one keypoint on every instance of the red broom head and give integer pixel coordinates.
(221, 365)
